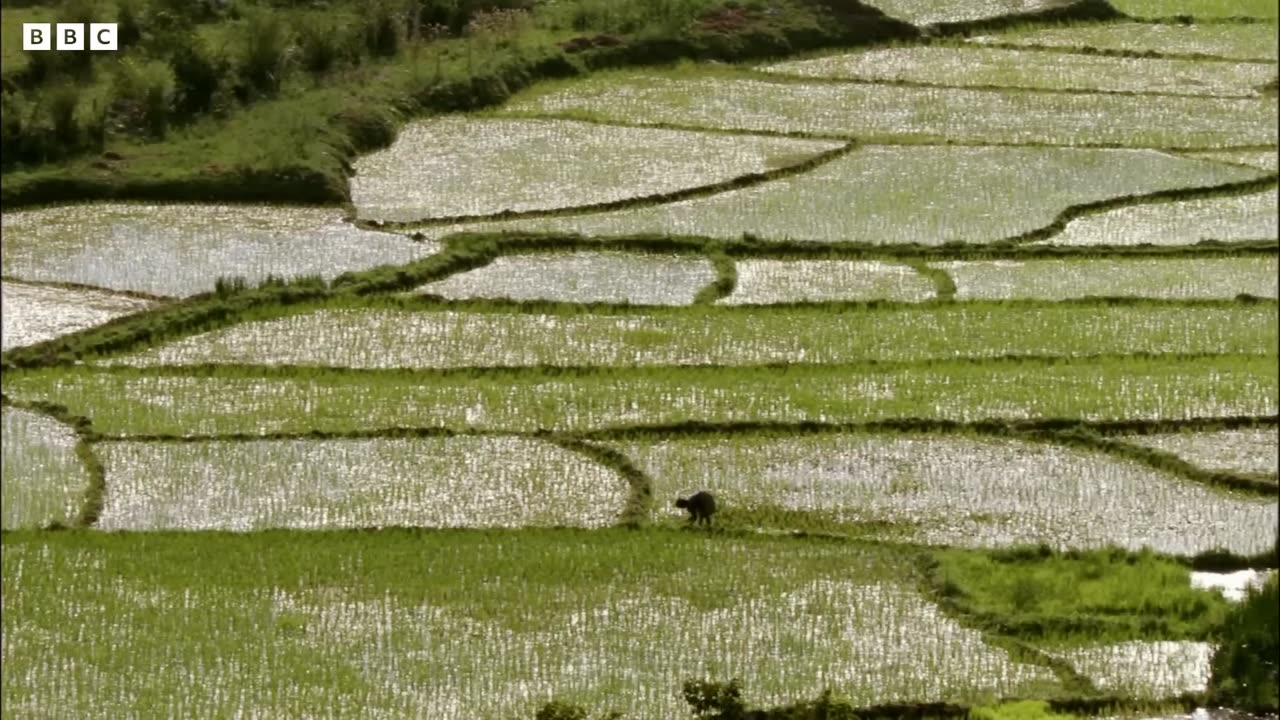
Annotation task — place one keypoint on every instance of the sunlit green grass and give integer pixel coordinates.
(253, 401)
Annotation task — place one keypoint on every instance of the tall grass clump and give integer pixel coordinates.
(144, 92)
(268, 40)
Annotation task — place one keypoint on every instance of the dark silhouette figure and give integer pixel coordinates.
(701, 506)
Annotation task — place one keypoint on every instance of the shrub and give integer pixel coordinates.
(144, 95)
(198, 75)
(129, 19)
(382, 30)
(715, 701)
(1246, 668)
(266, 52)
(62, 101)
(319, 45)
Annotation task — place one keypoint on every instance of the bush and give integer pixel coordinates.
(319, 45)
(144, 95)
(382, 30)
(1246, 665)
(62, 102)
(266, 53)
(715, 701)
(198, 75)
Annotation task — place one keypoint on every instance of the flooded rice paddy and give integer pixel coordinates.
(1182, 278)
(985, 67)
(761, 282)
(459, 165)
(965, 491)
(861, 197)
(44, 480)
(1186, 222)
(1248, 450)
(180, 250)
(584, 277)
(1252, 41)
(35, 313)
(383, 482)
(873, 112)
(428, 386)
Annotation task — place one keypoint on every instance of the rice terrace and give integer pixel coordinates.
(641, 359)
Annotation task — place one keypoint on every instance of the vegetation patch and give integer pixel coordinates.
(1030, 69)
(262, 401)
(374, 337)
(1164, 278)
(744, 101)
(1073, 599)
(1183, 222)
(955, 490)
(180, 250)
(858, 198)
(44, 480)
(462, 166)
(582, 277)
(36, 313)
(326, 484)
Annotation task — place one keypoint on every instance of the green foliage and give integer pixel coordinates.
(320, 44)
(199, 73)
(715, 701)
(265, 57)
(383, 29)
(1246, 664)
(144, 94)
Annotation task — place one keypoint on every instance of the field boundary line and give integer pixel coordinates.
(1120, 53)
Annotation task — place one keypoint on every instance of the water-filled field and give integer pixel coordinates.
(973, 337)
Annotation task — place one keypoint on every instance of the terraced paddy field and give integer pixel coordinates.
(974, 339)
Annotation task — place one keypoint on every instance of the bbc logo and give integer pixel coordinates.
(69, 36)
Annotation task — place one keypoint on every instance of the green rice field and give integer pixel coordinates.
(973, 337)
